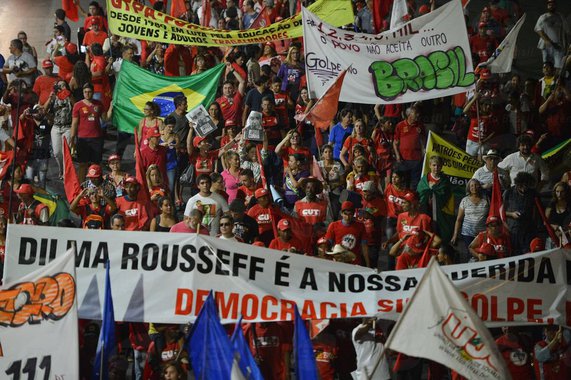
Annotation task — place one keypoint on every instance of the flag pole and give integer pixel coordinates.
(101, 360)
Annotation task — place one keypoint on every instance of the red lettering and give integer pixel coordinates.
(358, 309)
(384, 306)
(227, 305)
(515, 306)
(483, 300)
(324, 312)
(183, 302)
(308, 310)
(266, 301)
(494, 307)
(201, 295)
(287, 310)
(137, 7)
(150, 13)
(250, 306)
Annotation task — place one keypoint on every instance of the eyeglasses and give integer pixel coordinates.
(225, 224)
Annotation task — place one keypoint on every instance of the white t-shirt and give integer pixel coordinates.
(370, 364)
(213, 206)
(24, 62)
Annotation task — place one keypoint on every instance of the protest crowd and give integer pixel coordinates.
(252, 168)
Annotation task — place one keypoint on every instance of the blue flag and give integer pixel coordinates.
(305, 366)
(246, 362)
(211, 353)
(106, 346)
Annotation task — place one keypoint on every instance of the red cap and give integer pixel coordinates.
(284, 224)
(423, 9)
(259, 244)
(486, 249)
(322, 240)
(95, 21)
(114, 156)
(71, 48)
(406, 17)
(261, 193)
(230, 123)
(492, 219)
(47, 64)
(410, 197)
(347, 205)
(537, 244)
(131, 179)
(153, 132)
(94, 171)
(485, 74)
(197, 140)
(25, 188)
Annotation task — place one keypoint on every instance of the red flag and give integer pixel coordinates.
(5, 162)
(546, 224)
(425, 259)
(206, 13)
(71, 184)
(324, 110)
(316, 170)
(496, 204)
(303, 231)
(316, 326)
(380, 10)
(177, 8)
(70, 9)
(262, 20)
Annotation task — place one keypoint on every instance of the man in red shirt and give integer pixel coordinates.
(270, 344)
(191, 224)
(134, 210)
(154, 153)
(265, 214)
(310, 209)
(231, 101)
(248, 187)
(285, 240)
(411, 219)
(86, 126)
(350, 234)
(482, 45)
(95, 35)
(44, 84)
(372, 215)
(408, 145)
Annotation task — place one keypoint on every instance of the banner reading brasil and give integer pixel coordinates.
(136, 86)
(164, 278)
(426, 58)
(129, 18)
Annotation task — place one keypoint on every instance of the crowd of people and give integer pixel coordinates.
(356, 189)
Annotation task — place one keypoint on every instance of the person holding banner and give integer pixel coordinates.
(551, 354)
(350, 234)
(192, 223)
(494, 236)
(410, 248)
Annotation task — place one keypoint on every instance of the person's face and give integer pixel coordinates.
(226, 226)
(525, 149)
(246, 180)
(93, 196)
(240, 60)
(132, 189)
(368, 195)
(515, 81)
(494, 228)
(435, 167)
(236, 215)
(294, 54)
(194, 220)
(235, 161)
(359, 128)
(128, 55)
(285, 234)
(293, 163)
(167, 130)
(548, 70)
(345, 120)
(221, 25)
(171, 373)
(228, 89)
(360, 167)
(310, 188)
(276, 87)
(304, 95)
(118, 224)
(23, 38)
(521, 188)
(347, 215)
(57, 33)
(166, 207)
(213, 111)
(474, 187)
(264, 201)
(218, 185)
(148, 110)
(204, 186)
(328, 154)
(267, 50)
(559, 192)
(252, 154)
(93, 10)
(155, 176)
(396, 179)
(266, 106)
(88, 93)
(183, 106)
(294, 138)
(406, 206)
(413, 115)
(551, 6)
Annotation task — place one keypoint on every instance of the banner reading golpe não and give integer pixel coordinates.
(425, 58)
(129, 18)
(164, 278)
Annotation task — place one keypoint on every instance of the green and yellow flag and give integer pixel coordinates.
(136, 86)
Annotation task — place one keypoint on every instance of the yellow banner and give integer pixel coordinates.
(129, 18)
(457, 164)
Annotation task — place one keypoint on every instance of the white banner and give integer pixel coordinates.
(426, 58)
(164, 278)
(38, 323)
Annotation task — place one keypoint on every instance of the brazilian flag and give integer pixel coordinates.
(136, 86)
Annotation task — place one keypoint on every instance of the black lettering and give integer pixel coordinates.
(356, 283)
(165, 265)
(336, 282)
(27, 256)
(130, 253)
(281, 274)
(308, 279)
(375, 282)
(392, 283)
(222, 259)
(101, 255)
(186, 254)
(256, 266)
(205, 266)
(238, 263)
(545, 271)
(150, 251)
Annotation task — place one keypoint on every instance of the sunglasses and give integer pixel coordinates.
(225, 224)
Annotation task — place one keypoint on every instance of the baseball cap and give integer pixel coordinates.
(347, 205)
(131, 179)
(25, 188)
(537, 244)
(153, 132)
(230, 123)
(485, 74)
(197, 140)
(322, 240)
(492, 219)
(94, 171)
(47, 64)
(113, 157)
(424, 9)
(261, 193)
(284, 224)
(71, 48)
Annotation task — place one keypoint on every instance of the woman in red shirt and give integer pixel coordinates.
(358, 136)
(100, 69)
(494, 236)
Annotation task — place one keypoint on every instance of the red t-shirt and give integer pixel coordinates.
(377, 208)
(136, 216)
(246, 194)
(91, 37)
(232, 107)
(204, 165)
(326, 353)
(43, 87)
(350, 237)
(65, 67)
(394, 199)
(157, 156)
(269, 342)
(89, 116)
(502, 244)
(286, 151)
(311, 212)
(406, 224)
(271, 124)
(517, 360)
(350, 143)
(409, 137)
(181, 227)
(264, 217)
(281, 245)
(488, 124)
(281, 101)
(406, 260)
